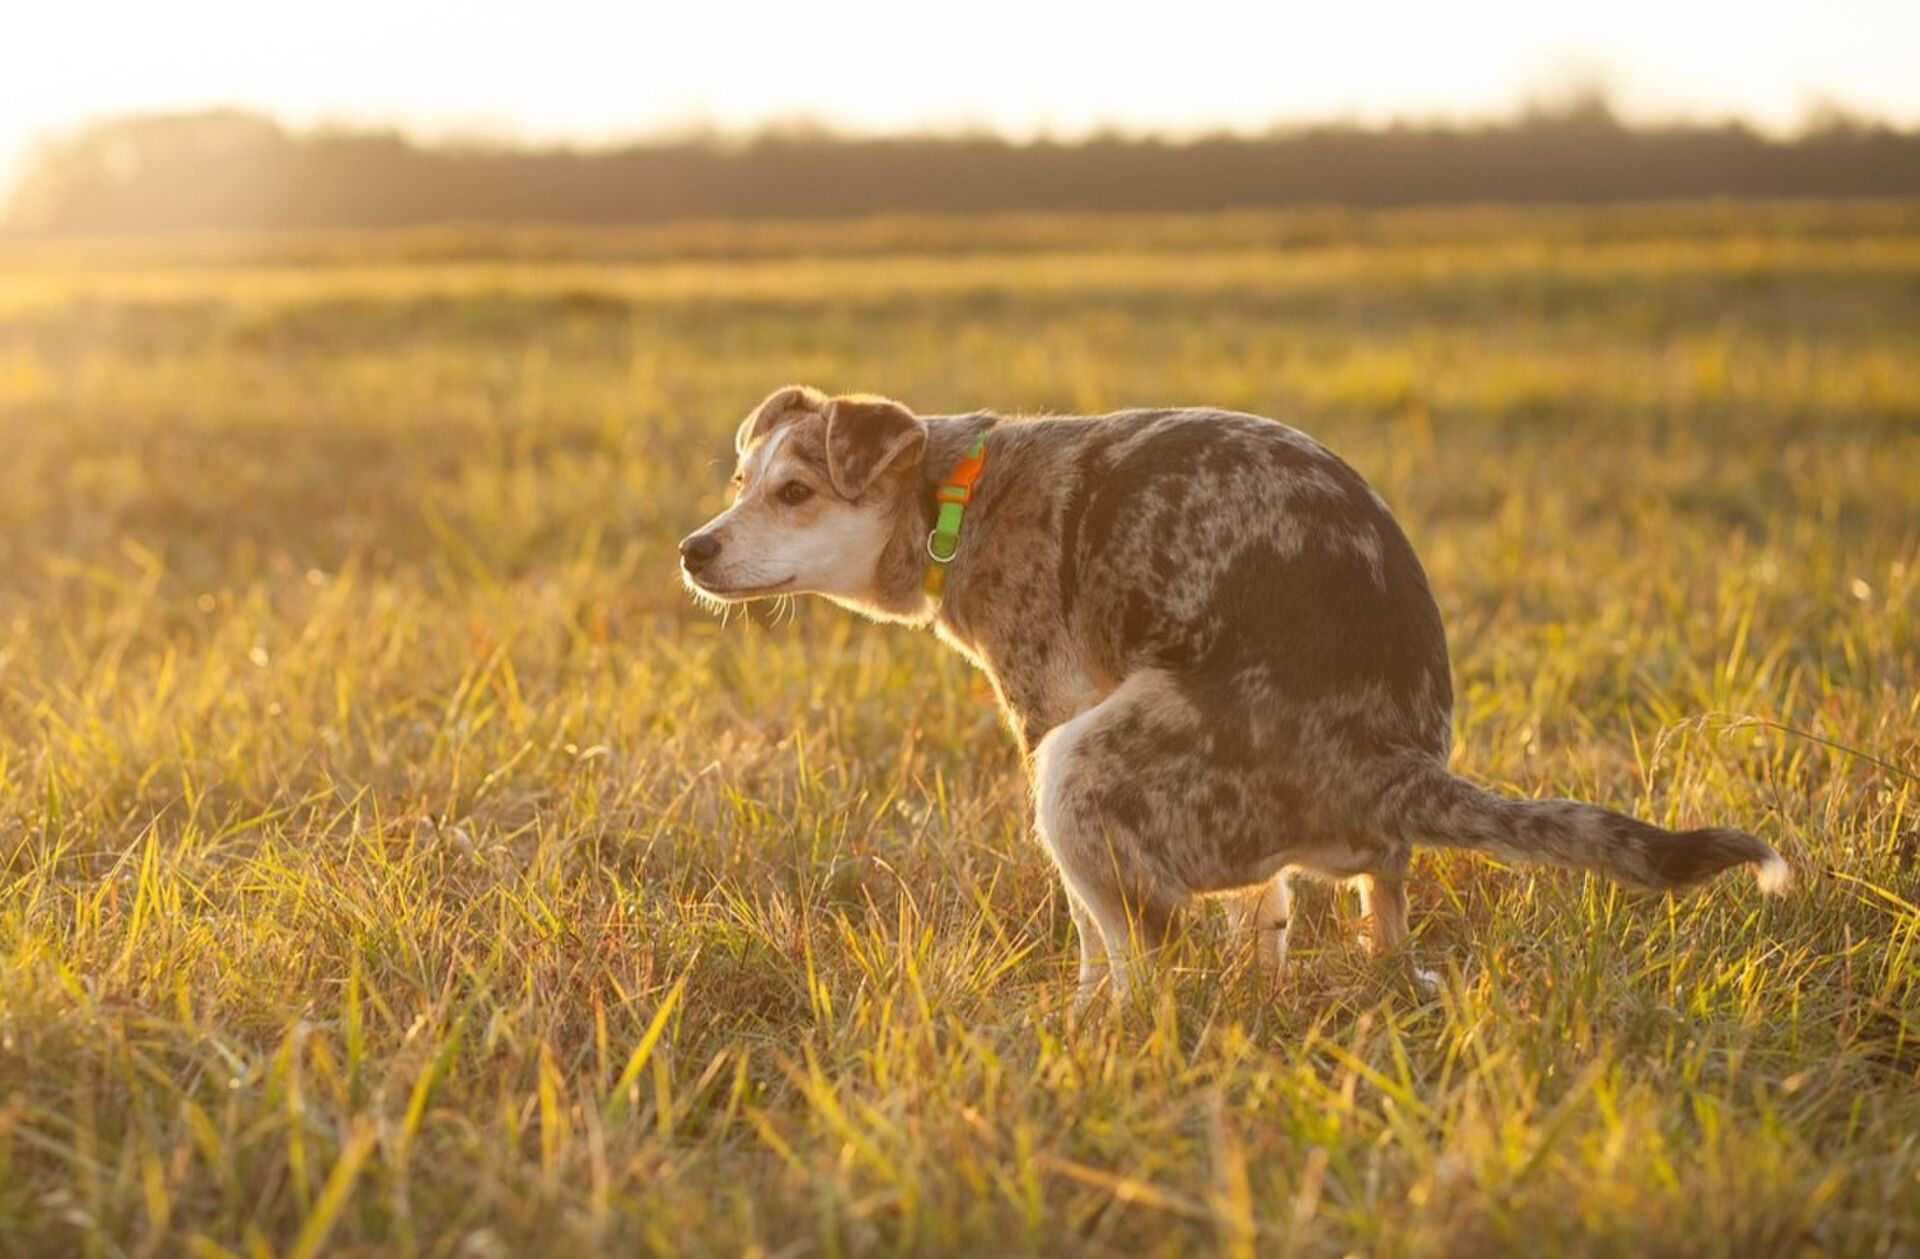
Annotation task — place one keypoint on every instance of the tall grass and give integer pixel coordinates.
(393, 861)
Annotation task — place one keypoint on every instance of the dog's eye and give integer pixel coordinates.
(793, 493)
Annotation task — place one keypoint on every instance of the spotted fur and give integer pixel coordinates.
(1213, 642)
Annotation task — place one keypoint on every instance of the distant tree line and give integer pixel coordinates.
(228, 170)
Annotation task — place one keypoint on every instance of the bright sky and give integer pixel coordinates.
(545, 69)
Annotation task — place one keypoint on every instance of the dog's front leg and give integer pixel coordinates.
(1099, 833)
(1094, 967)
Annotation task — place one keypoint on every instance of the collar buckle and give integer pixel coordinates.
(943, 542)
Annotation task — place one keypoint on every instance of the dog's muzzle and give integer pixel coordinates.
(697, 550)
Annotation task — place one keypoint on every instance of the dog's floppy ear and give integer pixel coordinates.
(779, 404)
(865, 436)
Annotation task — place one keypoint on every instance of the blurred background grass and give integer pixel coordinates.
(395, 860)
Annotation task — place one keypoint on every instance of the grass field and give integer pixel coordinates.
(394, 861)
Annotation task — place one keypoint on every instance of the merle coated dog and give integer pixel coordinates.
(1214, 644)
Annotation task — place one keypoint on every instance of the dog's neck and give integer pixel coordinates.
(899, 592)
(948, 437)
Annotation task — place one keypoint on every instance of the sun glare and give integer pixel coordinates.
(584, 71)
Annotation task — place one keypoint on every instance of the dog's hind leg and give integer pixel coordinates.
(1264, 913)
(1383, 899)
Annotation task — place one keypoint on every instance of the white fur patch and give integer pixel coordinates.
(763, 457)
(1773, 875)
(1050, 769)
(765, 550)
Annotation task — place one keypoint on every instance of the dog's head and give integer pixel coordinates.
(821, 489)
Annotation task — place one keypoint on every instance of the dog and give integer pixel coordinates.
(1215, 646)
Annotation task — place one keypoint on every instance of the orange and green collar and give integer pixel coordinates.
(952, 498)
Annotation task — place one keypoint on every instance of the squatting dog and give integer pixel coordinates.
(1214, 644)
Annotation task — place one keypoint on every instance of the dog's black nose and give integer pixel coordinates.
(698, 548)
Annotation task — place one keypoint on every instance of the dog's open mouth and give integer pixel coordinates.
(736, 592)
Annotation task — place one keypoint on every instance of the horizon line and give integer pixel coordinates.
(1598, 104)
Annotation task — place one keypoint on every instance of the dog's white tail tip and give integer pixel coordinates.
(1773, 875)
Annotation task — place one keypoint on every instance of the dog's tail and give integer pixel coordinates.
(1433, 807)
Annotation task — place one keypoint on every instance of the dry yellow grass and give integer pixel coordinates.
(393, 861)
